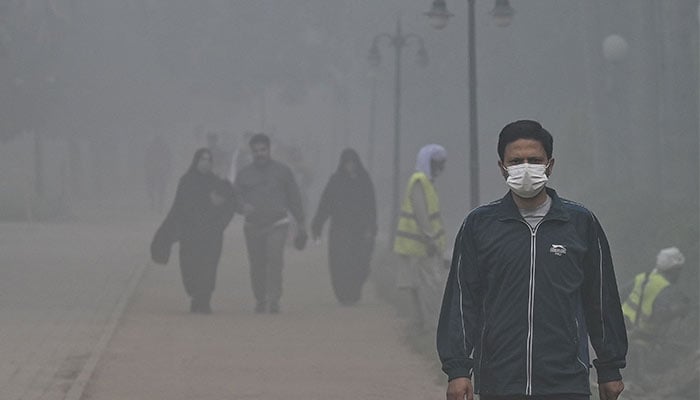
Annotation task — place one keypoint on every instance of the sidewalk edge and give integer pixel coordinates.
(78, 386)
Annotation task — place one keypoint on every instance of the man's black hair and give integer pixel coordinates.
(525, 129)
(259, 138)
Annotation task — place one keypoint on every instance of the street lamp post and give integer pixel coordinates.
(372, 123)
(439, 16)
(398, 41)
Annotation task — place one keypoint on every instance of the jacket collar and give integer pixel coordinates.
(508, 210)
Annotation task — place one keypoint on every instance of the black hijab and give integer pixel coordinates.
(351, 155)
(190, 206)
(350, 200)
(192, 201)
(195, 161)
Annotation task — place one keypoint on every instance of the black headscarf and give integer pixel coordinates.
(193, 216)
(192, 206)
(195, 160)
(351, 155)
(350, 202)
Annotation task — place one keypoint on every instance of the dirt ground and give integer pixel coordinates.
(314, 349)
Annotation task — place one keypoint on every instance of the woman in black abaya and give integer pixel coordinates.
(203, 207)
(349, 201)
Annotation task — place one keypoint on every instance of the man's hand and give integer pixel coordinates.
(460, 389)
(610, 390)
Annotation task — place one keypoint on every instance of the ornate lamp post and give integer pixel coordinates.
(398, 40)
(439, 16)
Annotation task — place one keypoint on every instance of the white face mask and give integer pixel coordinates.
(527, 180)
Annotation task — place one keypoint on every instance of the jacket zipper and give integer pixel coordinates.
(531, 305)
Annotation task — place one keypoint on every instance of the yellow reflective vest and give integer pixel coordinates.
(646, 289)
(409, 239)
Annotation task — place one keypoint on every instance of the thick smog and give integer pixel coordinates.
(405, 199)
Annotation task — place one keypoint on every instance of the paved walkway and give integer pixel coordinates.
(59, 286)
(314, 349)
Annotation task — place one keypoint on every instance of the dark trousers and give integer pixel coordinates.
(266, 257)
(547, 397)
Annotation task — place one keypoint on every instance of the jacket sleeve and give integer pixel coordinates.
(460, 311)
(602, 309)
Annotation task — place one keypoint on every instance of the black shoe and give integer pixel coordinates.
(194, 307)
(260, 308)
(274, 308)
(205, 309)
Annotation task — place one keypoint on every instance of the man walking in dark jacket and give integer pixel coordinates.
(531, 280)
(268, 193)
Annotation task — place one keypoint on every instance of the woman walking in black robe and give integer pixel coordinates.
(349, 201)
(203, 207)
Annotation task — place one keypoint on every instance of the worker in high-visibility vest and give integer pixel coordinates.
(653, 304)
(420, 241)
(654, 300)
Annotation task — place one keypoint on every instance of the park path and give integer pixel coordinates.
(61, 285)
(314, 349)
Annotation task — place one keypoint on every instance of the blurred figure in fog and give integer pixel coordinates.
(242, 156)
(653, 303)
(420, 240)
(268, 193)
(654, 300)
(157, 170)
(203, 207)
(222, 158)
(348, 200)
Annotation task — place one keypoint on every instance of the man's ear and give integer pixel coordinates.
(551, 166)
(503, 169)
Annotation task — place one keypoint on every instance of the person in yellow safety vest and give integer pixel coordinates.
(420, 241)
(653, 301)
(651, 306)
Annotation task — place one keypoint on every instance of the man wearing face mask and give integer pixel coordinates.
(420, 241)
(531, 280)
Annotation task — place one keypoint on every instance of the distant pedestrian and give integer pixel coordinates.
(420, 241)
(241, 156)
(157, 165)
(349, 201)
(268, 193)
(221, 165)
(201, 211)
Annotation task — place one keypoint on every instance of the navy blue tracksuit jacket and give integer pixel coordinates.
(521, 302)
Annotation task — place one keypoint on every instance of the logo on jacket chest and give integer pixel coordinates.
(558, 250)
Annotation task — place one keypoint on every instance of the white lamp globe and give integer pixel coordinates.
(615, 48)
